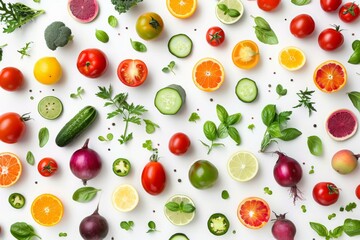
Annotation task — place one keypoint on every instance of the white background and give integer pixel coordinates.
(268, 72)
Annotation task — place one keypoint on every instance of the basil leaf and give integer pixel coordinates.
(275, 130)
(221, 113)
(268, 114)
(266, 36)
(337, 232)
(233, 119)
(289, 134)
(233, 13)
(85, 194)
(315, 145)
(262, 23)
(43, 136)
(300, 2)
(102, 36)
(127, 225)
(22, 230)
(222, 131)
(223, 7)
(280, 90)
(138, 46)
(209, 129)
(266, 142)
(225, 194)
(283, 117)
(30, 158)
(172, 206)
(320, 229)
(188, 208)
(355, 99)
(194, 117)
(112, 20)
(234, 134)
(166, 70)
(355, 44)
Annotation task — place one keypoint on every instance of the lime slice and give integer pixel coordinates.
(179, 218)
(223, 14)
(125, 198)
(242, 166)
(50, 107)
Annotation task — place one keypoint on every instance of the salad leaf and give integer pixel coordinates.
(112, 20)
(85, 194)
(43, 136)
(122, 6)
(30, 158)
(315, 145)
(138, 46)
(264, 32)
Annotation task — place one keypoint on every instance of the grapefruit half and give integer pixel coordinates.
(83, 11)
(341, 124)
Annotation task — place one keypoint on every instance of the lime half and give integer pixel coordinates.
(242, 166)
(229, 11)
(50, 107)
(125, 198)
(179, 217)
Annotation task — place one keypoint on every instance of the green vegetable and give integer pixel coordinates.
(57, 35)
(148, 145)
(16, 200)
(180, 45)
(85, 194)
(43, 136)
(169, 68)
(355, 56)
(300, 2)
(129, 112)
(280, 90)
(150, 126)
(107, 138)
(351, 206)
(30, 158)
(127, 225)
(225, 194)
(23, 231)
(264, 32)
(351, 227)
(355, 99)
(122, 6)
(79, 91)
(1, 51)
(152, 227)
(169, 100)
(315, 145)
(15, 15)
(62, 234)
(101, 35)
(218, 224)
(305, 100)
(112, 20)
(24, 51)
(182, 207)
(194, 117)
(121, 167)
(322, 231)
(75, 126)
(138, 46)
(228, 11)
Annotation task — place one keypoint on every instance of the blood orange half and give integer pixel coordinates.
(341, 124)
(330, 76)
(253, 212)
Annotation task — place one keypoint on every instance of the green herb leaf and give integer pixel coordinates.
(233, 13)
(274, 130)
(110, 136)
(43, 136)
(234, 134)
(79, 91)
(194, 117)
(290, 134)
(24, 51)
(138, 46)
(320, 229)
(85, 194)
(233, 119)
(315, 145)
(355, 99)
(23, 231)
(127, 225)
(267, 191)
(36, 1)
(222, 131)
(280, 90)
(337, 232)
(266, 36)
(300, 2)
(188, 208)
(331, 216)
(172, 206)
(30, 158)
(221, 113)
(148, 145)
(225, 194)
(150, 126)
(169, 68)
(152, 227)
(1, 51)
(223, 7)
(62, 234)
(102, 36)
(268, 114)
(305, 100)
(351, 206)
(112, 20)
(209, 129)
(262, 23)
(312, 171)
(303, 208)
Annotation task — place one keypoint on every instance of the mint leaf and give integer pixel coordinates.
(194, 117)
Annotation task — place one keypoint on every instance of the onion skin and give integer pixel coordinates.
(94, 227)
(283, 229)
(85, 163)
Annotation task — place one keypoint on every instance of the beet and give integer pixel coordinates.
(283, 229)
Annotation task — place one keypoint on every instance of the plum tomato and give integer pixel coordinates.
(92, 62)
(132, 72)
(12, 127)
(330, 5)
(325, 193)
(179, 143)
(11, 79)
(215, 36)
(153, 176)
(331, 38)
(357, 191)
(302, 25)
(349, 12)
(149, 25)
(268, 5)
(47, 167)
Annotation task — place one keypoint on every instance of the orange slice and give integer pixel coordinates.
(47, 210)
(245, 54)
(10, 169)
(292, 58)
(330, 76)
(181, 8)
(208, 74)
(253, 212)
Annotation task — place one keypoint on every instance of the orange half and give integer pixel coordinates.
(10, 169)
(330, 76)
(292, 58)
(181, 8)
(47, 210)
(208, 74)
(253, 212)
(245, 54)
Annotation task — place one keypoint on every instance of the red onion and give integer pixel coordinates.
(287, 173)
(85, 163)
(94, 227)
(283, 229)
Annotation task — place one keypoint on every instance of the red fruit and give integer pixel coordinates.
(341, 124)
(83, 10)
(283, 229)
(344, 161)
(357, 191)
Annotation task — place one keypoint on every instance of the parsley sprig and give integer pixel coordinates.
(305, 100)
(130, 112)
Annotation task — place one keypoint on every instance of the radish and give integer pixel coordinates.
(283, 229)
(83, 11)
(94, 226)
(287, 173)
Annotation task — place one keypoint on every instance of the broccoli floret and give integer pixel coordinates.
(57, 35)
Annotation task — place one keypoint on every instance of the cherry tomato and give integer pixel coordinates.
(179, 143)
(11, 78)
(47, 167)
(132, 73)
(330, 38)
(349, 12)
(92, 62)
(325, 193)
(12, 127)
(357, 191)
(268, 5)
(149, 25)
(215, 36)
(153, 177)
(330, 5)
(302, 25)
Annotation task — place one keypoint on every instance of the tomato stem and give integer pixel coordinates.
(25, 117)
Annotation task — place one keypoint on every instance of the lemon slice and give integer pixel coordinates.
(242, 166)
(292, 58)
(179, 217)
(231, 5)
(125, 198)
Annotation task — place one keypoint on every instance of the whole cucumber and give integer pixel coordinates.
(351, 227)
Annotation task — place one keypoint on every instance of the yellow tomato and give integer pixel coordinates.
(47, 70)
(149, 25)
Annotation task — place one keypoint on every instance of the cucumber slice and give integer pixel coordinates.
(246, 90)
(50, 107)
(170, 99)
(179, 236)
(180, 45)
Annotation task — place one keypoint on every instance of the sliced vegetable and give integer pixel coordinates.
(170, 99)
(50, 107)
(218, 224)
(180, 45)
(178, 236)
(121, 167)
(16, 200)
(246, 90)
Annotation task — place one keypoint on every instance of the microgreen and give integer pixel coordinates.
(280, 90)
(24, 51)
(127, 225)
(194, 117)
(251, 126)
(79, 91)
(169, 68)
(152, 227)
(109, 137)
(225, 194)
(268, 191)
(148, 145)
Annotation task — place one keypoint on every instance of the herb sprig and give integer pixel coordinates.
(305, 100)
(24, 51)
(264, 32)
(169, 68)
(180, 207)
(127, 225)
(79, 91)
(1, 51)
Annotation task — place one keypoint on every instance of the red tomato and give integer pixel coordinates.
(215, 36)
(179, 143)
(357, 191)
(153, 177)
(47, 167)
(92, 62)
(302, 25)
(349, 12)
(268, 5)
(132, 72)
(11, 78)
(325, 193)
(330, 38)
(330, 5)
(12, 127)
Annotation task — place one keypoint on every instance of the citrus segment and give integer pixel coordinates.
(253, 212)
(47, 210)
(10, 169)
(242, 166)
(208, 74)
(125, 198)
(180, 217)
(292, 58)
(222, 11)
(181, 8)
(245, 54)
(330, 76)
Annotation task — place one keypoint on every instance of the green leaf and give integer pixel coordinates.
(262, 23)
(23, 231)
(148, 145)
(222, 131)
(171, 64)
(300, 2)
(112, 20)
(283, 117)
(102, 36)
(266, 36)
(280, 90)
(138, 46)
(274, 130)
(234, 134)
(209, 130)
(315, 145)
(152, 226)
(172, 206)
(166, 70)
(110, 136)
(127, 225)
(223, 7)
(221, 113)
(43, 136)
(233, 119)
(320, 229)
(268, 114)
(62, 234)
(85, 194)
(233, 13)
(188, 208)
(24, 51)
(101, 138)
(194, 117)
(290, 134)
(225, 194)
(150, 126)
(30, 158)
(251, 126)
(337, 232)
(355, 99)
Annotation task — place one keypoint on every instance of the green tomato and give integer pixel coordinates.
(203, 174)
(149, 25)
